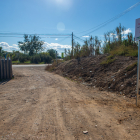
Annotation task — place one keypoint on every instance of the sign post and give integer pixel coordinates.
(137, 38)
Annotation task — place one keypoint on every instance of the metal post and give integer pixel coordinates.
(138, 67)
(72, 44)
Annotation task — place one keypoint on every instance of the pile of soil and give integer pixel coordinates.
(119, 76)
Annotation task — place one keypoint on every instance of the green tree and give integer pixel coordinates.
(31, 44)
(52, 53)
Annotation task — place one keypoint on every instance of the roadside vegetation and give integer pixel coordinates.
(115, 43)
(111, 67)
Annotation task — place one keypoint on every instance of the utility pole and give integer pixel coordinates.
(72, 44)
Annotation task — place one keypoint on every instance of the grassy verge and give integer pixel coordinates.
(15, 62)
(26, 62)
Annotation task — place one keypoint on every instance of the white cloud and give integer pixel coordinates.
(126, 31)
(60, 48)
(55, 46)
(6, 47)
(85, 36)
(56, 39)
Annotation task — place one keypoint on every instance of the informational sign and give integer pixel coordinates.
(137, 29)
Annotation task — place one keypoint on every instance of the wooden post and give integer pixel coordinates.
(10, 62)
(7, 67)
(4, 69)
(0, 69)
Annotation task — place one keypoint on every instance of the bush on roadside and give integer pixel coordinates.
(45, 58)
(41, 58)
(125, 51)
(35, 59)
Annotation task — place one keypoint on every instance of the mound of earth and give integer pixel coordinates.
(119, 75)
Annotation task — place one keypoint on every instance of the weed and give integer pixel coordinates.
(106, 62)
(110, 57)
(130, 67)
(109, 60)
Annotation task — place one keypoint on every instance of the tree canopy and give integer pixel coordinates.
(31, 44)
(52, 53)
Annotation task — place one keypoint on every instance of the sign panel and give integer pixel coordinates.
(137, 29)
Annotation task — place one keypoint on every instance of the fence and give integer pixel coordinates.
(5, 68)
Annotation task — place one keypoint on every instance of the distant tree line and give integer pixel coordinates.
(32, 51)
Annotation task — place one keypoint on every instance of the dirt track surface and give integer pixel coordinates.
(41, 105)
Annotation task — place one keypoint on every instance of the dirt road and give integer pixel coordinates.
(40, 105)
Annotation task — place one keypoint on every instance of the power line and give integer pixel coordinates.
(110, 20)
(41, 36)
(44, 35)
(33, 34)
(79, 38)
(63, 39)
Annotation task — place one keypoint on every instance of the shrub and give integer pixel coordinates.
(106, 62)
(38, 58)
(22, 58)
(109, 60)
(35, 59)
(125, 51)
(45, 58)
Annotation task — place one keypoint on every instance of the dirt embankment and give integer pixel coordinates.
(118, 75)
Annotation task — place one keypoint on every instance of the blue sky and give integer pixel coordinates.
(62, 17)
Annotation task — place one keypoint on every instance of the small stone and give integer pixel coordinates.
(85, 132)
